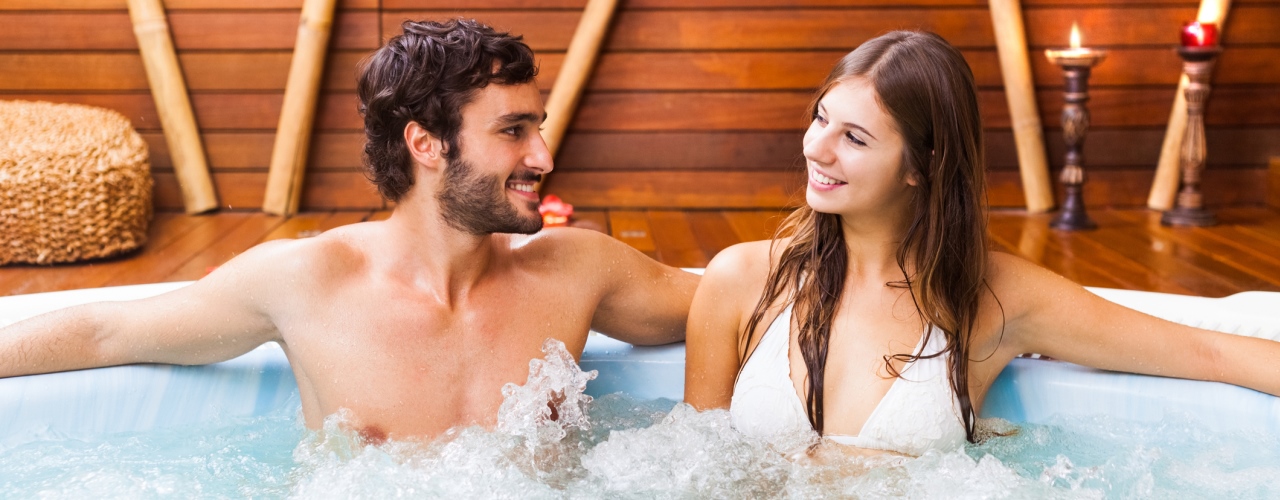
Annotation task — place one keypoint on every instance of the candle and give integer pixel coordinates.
(1198, 34)
(555, 212)
(1075, 52)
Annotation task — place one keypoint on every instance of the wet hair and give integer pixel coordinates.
(426, 75)
(924, 84)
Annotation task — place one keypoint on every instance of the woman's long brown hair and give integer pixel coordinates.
(926, 86)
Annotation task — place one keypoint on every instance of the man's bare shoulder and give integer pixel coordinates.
(307, 260)
(558, 245)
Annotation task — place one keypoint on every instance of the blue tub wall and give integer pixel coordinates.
(1028, 390)
(86, 403)
(135, 398)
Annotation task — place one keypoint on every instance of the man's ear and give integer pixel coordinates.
(426, 148)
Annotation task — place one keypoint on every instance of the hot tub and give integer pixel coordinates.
(140, 397)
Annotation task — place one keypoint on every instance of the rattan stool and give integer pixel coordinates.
(75, 183)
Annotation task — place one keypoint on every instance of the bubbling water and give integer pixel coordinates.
(553, 441)
(551, 401)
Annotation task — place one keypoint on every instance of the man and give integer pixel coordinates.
(414, 323)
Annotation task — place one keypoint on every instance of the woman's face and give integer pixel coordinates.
(854, 154)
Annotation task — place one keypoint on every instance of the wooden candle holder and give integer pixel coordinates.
(1197, 63)
(1076, 63)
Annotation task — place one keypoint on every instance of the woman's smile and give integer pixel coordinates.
(822, 182)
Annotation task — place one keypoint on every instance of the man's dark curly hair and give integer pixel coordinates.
(427, 75)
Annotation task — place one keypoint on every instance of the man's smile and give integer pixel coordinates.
(524, 185)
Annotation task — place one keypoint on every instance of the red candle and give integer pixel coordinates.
(1198, 34)
(555, 212)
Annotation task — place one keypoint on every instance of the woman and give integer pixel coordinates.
(878, 317)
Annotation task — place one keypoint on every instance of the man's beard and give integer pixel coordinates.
(469, 202)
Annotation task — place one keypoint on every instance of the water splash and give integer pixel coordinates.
(688, 454)
(554, 442)
(551, 402)
(543, 429)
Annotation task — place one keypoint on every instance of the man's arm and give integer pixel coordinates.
(644, 302)
(211, 320)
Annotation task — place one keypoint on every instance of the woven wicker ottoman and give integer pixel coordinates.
(75, 183)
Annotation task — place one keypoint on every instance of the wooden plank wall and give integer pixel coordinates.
(235, 57)
(695, 103)
(1273, 183)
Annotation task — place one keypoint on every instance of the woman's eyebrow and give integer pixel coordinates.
(823, 108)
(859, 127)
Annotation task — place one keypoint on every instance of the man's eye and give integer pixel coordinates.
(513, 131)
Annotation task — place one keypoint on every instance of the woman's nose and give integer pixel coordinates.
(817, 147)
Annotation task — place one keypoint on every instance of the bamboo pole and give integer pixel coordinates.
(169, 91)
(1165, 185)
(1019, 89)
(293, 136)
(578, 63)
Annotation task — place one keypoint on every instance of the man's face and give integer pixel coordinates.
(489, 188)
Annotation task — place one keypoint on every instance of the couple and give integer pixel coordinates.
(414, 324)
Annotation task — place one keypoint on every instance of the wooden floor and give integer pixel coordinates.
(1131, 249)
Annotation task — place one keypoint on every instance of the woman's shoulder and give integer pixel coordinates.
(743, 268)
(747, 259)
(1013, 274)
(1020, 286)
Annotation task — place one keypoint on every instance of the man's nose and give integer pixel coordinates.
(539, 157)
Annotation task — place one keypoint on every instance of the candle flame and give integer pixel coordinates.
(1075, 36)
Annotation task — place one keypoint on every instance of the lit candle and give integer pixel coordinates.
(1075, 42)
(1198, 34)
(1076, 52)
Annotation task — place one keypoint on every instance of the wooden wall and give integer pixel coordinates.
(695, 103)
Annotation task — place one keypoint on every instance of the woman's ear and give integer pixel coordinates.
(913, 175)
(425, 148)
(913, 178)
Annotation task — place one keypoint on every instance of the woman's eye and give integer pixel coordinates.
(818, 118)
(853, 139)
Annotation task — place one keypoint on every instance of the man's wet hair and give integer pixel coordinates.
(426, 75)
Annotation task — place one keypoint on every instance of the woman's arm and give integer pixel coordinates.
(1058, 318)
(715, 323)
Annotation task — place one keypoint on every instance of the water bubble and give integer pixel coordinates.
(551, 402)
(551, 406)
(554, 442)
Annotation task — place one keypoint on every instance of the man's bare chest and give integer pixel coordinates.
(402, 361)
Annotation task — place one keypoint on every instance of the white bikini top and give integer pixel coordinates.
(919, 413)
